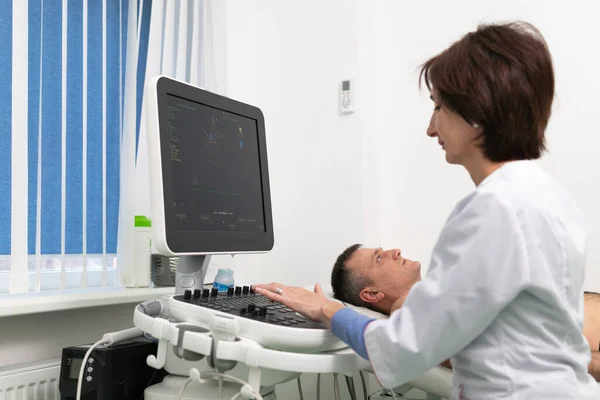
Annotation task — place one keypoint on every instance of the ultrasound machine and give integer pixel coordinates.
(210, 195)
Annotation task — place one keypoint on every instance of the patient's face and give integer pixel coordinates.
(385, 270)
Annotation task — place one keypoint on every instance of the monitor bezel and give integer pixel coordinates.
(209, 242)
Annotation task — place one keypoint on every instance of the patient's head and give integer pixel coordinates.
(373, 278)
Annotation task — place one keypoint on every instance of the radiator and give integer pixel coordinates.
(38, 382)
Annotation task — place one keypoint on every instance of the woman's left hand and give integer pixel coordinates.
(307, 303)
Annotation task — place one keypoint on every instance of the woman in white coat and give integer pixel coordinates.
(503, 295)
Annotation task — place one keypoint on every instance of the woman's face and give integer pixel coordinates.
(455, 135)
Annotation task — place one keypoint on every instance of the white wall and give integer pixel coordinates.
(39, 337)
(288, 59)
(417, 189)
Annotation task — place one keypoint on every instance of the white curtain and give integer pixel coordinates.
(177, 33)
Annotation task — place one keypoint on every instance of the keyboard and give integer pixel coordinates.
(245, 303)
(270, 324)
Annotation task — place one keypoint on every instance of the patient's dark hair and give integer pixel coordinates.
(346, 285)
(591, 296)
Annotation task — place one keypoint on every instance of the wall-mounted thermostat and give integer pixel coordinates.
(346, 97)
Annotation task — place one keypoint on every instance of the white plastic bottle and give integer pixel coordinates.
(223, 280)
(139, 274)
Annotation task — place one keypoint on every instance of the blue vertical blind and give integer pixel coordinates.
(75, 89)
(6, 127)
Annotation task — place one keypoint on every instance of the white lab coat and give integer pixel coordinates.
(503, 297)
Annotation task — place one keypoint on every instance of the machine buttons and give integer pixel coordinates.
(197, 293)
(90, 369)
(90, 360)
(250, 306)
(245, 289)
(187, 294)
(89, 379)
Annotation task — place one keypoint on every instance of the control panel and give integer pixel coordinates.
(242, 301)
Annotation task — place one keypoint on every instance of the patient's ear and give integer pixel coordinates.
(371, 294)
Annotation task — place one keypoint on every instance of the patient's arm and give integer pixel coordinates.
(594, 367)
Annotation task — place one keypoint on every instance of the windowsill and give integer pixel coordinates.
(72, 299)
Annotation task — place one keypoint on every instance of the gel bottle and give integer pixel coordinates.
(223, 280)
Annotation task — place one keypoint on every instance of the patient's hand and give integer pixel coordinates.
(310, 304)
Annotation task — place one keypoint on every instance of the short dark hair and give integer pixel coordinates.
(347, 285)
(500, 77)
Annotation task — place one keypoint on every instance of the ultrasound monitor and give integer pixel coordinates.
(209, 179)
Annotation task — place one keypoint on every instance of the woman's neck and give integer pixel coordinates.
(480, 168)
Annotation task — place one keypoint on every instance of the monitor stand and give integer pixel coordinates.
(190, 272)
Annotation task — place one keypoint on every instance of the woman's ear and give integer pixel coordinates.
(371, 294)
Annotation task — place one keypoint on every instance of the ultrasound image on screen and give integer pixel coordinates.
(216, 179)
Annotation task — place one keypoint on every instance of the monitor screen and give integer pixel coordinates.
(209, 176)
(215, 168)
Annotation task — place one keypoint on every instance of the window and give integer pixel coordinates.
(62, 207)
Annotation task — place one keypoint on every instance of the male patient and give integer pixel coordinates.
(381, 279)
